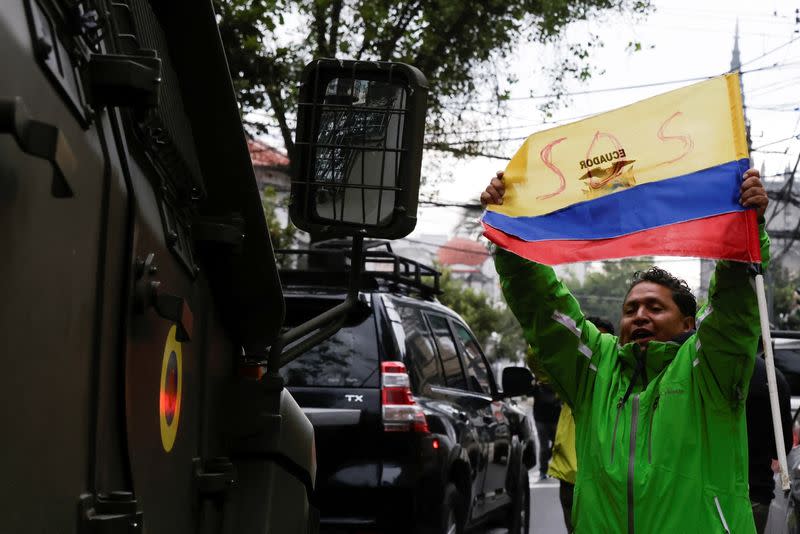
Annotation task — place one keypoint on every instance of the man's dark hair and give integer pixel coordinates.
(681, 294)
(599, 322)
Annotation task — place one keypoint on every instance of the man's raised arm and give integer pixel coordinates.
(565, 345)
(728, 326)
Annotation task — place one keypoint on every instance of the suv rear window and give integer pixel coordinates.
(476, 367)
(421, 359)
(453, 371)
(347, 359)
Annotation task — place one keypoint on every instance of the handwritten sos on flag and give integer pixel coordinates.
(660, 176)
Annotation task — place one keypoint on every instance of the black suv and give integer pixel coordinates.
(412, 433)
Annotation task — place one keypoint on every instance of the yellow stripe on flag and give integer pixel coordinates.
(669, 135)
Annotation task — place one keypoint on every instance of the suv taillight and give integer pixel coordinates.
(400, 411)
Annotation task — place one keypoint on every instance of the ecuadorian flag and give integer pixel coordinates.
(659, 177)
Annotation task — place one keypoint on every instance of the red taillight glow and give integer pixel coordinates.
(435, 444)
(401, 413)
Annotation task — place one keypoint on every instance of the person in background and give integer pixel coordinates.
(564, 463)
(546, 408)
(761, 438)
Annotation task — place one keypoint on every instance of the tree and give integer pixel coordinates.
(496, 328)
(511, 342)
(464, 48)
(282, 236)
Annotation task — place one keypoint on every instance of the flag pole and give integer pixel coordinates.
(771, 381)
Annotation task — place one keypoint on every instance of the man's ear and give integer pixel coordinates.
(688, 323)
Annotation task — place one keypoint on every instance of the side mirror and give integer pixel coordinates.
(360, 128)
(517, 381)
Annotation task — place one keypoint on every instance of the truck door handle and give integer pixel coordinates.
(148, 292)
(41, 140)
(175, 309)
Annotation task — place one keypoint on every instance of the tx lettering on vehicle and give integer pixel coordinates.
(354, 398)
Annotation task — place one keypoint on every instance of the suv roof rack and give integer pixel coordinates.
(383, 270)
(794, 334)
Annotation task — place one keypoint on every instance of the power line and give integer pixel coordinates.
(771, 88)
(438, 204)
(652, 84)
(787, 188)
(775, 142)
(519, 126)
(438, 147)
(498, 140)
(723, 13)
(765, 54)
(708, 30)
(780, 108)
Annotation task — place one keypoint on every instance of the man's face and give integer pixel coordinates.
(649, 313)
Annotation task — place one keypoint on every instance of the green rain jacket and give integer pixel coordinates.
(672, 457)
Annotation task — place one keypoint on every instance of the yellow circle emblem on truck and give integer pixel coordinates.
(169, 401)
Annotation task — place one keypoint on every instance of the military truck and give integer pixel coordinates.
(140, 299)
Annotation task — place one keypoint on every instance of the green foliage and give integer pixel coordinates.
(496, 328)
(511, 343)
(464, 48)
(282, 236)
(603, 292)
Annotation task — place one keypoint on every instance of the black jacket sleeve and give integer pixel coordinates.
(784, 400)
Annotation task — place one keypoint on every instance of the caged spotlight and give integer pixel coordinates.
(358, 148)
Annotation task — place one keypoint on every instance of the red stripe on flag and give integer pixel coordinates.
(732, 236)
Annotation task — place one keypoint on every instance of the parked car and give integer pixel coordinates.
(412, 432)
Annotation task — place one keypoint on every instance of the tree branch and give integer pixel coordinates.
(389, 44)
(429, 62)
(333, 37)
(278, 108)
(320, 29)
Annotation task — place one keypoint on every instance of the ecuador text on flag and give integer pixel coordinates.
(660, 176)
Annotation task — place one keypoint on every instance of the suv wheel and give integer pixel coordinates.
(519, 518)
(452, 518)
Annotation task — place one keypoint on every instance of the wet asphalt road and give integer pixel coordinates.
(545, 512)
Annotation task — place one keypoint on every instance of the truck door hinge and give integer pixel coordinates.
(214, 477)
(112, 513)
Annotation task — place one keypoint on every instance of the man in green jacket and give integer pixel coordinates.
(659, 411)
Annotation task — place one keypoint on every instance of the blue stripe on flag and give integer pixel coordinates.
(696, 195)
